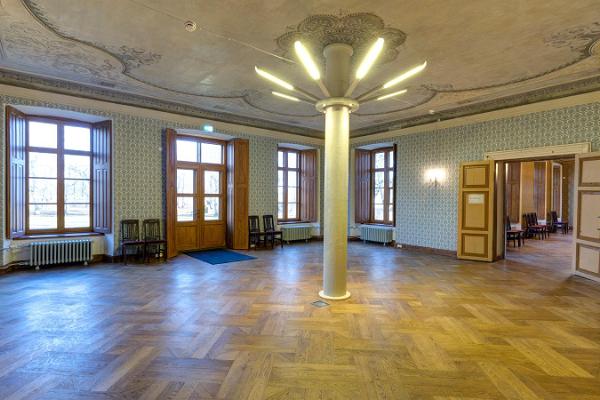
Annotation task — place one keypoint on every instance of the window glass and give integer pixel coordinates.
(391, 212)
(187, 150)
(77, 191)
(292, 160)
(280, 194)
(279, 178)
(292, 179)
(390, 179)
(292, 193)
(185, 208)
(380, 160)
(280, 159)
(43, 134)
(292, 211)
(185, 181)
(211, 153)
(42, 216)
(77, 215)
(280, 210)
(378, 212)
(379, 182)
(42, 165)
(391, 159)
(77, 167)
(212, 182)
(42, 190)
(77, 138)
(211, 209)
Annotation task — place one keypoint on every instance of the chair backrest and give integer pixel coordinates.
(507, 224)
(268, 223)
(151, 228)
(253, 224)
(526, 221)
(554, 217)
(534, 219)
(130, 229)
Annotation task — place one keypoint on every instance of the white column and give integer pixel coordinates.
(337, 133)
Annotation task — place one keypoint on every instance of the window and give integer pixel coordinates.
(375, 186)
(200, 180)
(288, 185)
(51, 188)
(296, 185)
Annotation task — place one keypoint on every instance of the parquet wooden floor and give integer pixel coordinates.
(418, 326)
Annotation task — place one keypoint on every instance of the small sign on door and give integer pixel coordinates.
(476, 198)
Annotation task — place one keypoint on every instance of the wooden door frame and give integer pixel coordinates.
(529, 154)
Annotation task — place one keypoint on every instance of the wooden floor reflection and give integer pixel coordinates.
(417, 326)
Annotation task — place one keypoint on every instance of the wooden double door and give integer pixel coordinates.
(201, 206)
(196, 193)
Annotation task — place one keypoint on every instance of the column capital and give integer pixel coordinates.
(324, 104)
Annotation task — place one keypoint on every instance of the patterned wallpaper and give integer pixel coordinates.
(426, 215)
(138, 166)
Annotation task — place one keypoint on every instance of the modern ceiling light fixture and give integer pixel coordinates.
(408, 74)
(270, 77)
(387, 96)
(307, 61)
(285, 96)
(337, 86)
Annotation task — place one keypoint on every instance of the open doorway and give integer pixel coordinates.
(538, 199)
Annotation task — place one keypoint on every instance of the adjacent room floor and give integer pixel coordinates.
(417, 326)
(555, 252)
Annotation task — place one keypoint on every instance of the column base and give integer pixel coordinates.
(344, 297)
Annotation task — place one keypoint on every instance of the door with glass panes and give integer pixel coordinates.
(201, 194)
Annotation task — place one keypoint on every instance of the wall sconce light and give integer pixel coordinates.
(435, 176)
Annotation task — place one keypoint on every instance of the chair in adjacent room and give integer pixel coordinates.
(154, 243)
(532, 228)
(562, 225)
(255, 236)
(130, 238)
(515, 235)
(271, 235)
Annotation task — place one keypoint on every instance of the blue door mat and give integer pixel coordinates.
(218, 256)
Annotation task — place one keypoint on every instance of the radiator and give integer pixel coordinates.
(296, 232)
(378, 234)
(60, 252)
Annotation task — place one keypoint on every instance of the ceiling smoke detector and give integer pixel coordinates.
(190, 26)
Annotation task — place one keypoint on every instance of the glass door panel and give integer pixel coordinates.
(186, 191)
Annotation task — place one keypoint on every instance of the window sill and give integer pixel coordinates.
(378, 224)
(57, 235)
(294, 222)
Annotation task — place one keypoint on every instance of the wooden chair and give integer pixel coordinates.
(550, 225)
(255, 236)
(531, 227)
(153, 239)
(515, 235)
(130, 237)
(544, 228)
(271, 235)
(563, 225)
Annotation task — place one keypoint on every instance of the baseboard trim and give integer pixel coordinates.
(429, 250)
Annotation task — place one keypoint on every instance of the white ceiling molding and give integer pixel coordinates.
(540, 152)
(104, 106)
(571, 101)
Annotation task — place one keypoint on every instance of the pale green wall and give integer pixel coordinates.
(427, 216)
(138, 163)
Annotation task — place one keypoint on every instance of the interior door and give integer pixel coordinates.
(196, 193)
(586, 225)
(476, 211)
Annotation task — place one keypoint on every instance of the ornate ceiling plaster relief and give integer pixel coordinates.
(490, 55)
